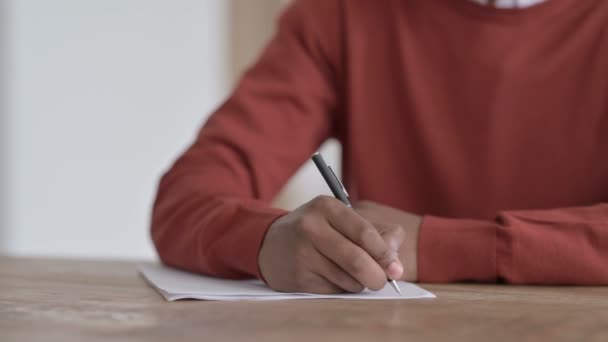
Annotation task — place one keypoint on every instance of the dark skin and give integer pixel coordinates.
(325, 247)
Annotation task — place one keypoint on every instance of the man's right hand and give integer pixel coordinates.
(325, 247)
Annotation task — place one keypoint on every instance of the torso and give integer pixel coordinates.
(463, 111)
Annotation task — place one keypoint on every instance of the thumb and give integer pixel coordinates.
(394, 236)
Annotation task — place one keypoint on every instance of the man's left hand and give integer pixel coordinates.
(408, 251)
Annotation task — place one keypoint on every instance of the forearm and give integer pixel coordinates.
(561, 246)
(208, 233)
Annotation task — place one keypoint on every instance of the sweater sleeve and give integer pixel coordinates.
(567, 246)
(212, 207)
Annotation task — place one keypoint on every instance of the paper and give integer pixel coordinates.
(174, 284)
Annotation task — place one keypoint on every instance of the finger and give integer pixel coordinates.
(320, 285)
(333, 273)
(348, 256)
(394, 236)
(362, 233)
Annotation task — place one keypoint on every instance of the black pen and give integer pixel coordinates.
(339, 192)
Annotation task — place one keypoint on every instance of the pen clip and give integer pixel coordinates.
(339, 182)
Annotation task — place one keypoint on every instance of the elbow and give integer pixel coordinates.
(161, 237)
(162, 227)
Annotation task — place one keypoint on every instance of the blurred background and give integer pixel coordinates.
(98, 97)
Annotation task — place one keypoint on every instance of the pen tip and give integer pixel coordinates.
(396, 287)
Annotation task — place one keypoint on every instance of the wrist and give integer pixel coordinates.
(408, 253)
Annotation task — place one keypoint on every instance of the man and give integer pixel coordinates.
(473, 137)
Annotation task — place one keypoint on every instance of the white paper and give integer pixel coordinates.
(174, 284)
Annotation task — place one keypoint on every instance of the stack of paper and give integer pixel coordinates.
(174, 284)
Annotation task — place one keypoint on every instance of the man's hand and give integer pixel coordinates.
(326, 247)
(408, 251)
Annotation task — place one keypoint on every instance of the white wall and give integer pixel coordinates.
(3, 124)
(96, 99)
(101, 94)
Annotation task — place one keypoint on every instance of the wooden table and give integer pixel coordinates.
(69, 300)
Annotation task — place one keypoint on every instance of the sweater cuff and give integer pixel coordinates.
(248, 238)
(451, 250)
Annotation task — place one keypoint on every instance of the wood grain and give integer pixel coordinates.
(71, 300)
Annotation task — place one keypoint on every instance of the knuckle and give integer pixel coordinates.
(300, 231)
(387, 257)
(324, 203)
(334, 206)
(395, 236)
(358, 264)
(395, 228)
(304, 225)
(320, 201)
(399, 232)
(365, 232)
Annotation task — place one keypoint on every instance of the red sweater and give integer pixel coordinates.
(491, 123)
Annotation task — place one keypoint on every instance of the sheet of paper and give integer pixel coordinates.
(174, 284)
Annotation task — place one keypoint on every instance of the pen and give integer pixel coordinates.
(339, 192)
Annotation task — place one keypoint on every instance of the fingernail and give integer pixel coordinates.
(395, 270)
